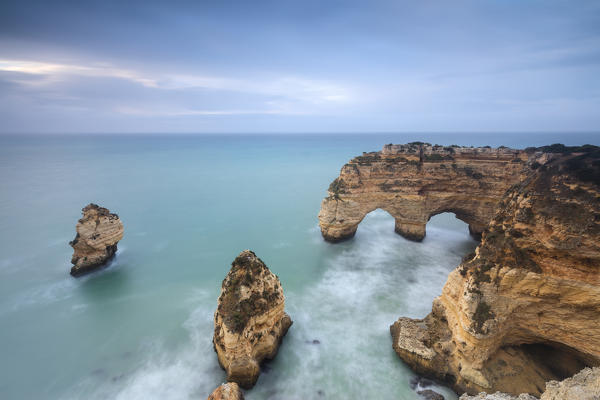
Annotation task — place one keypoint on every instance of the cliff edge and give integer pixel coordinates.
(524, 309)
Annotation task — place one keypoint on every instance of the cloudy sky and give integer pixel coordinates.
(299, 66)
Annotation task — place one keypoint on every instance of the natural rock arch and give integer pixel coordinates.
(416, 181)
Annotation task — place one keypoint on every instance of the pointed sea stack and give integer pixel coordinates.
(98, 233)
(250, 320)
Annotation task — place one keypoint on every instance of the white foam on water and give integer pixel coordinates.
(366, 287)
(339, 346)
(191, 372)
(58, 290)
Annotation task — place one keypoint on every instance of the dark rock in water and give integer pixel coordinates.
(99, 371)
(419, 381)
(430, 395)
(424, 382)
(320, 393)
(98, 233)
(414, 381)
(265, 368)
(315, 341)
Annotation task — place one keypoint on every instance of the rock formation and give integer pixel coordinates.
(525, 307)
(98, 233)
(250, 320)
(227, 391)
(583, 386)
(416, 181)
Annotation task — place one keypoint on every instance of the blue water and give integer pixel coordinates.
(142, 328)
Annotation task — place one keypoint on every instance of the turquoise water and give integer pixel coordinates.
(142, 328)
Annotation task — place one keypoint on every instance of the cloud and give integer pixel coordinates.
(298, 89)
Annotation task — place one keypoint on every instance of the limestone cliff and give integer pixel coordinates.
(585, 385)
(525, 308)
(227, 391)
(250, 320)
(98, 233)
(415, 181)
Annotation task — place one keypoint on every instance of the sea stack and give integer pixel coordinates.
(98, 233)
(524, 309)
(250, 320)
(227, 391)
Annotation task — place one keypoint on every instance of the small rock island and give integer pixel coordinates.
(98, 233)
(250, 320)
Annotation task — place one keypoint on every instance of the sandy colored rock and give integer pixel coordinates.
(250, 320)
(416, 181)
(98, 233)
(524, 309)
(227, 391)
(585, 385)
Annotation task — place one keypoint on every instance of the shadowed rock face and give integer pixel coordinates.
(525, 308)
(98, 233)
(250, 320)
(227, 391)
(416, 181)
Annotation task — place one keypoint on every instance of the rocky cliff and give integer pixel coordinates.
(227, 391)
(416, 181)
(585, 385)
(98, 233)
(250, 320)
(525, 307)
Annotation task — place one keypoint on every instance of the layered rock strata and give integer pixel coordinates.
(227, 391)
(585, 385)
(416, 181)
(95, 243)
(250, 320)
(525, 307)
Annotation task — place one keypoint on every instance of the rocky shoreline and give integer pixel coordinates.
(522, 310)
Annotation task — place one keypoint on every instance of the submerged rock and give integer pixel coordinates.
(524, 309)
(227, 391)
(250, 320)
(98, 233)
(430, 395)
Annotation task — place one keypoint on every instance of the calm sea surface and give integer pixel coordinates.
(142, 328)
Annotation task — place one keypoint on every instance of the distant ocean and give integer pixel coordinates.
(142, 328)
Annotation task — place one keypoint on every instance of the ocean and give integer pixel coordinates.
(142, 327)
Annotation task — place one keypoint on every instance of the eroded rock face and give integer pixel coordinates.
(98, 233)
(583, 386)
(250, 320)
(227, 391)
(525, 308)
(416, 181)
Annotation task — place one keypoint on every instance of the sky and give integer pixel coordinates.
(299, 66)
